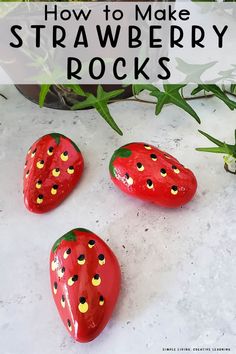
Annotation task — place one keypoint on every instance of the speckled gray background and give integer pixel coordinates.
(178, 266)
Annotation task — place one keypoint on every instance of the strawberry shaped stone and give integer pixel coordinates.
(85, 282)
(148, 173)
(53, 167)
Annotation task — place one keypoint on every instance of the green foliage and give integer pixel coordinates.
(221, 148)
(100, 103)
(170, 94)
(233, 89)
(77, 90)
(217, 92)
(44, 89)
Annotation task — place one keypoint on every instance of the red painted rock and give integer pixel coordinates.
(145, 172)
(53, 167)
(85, 282)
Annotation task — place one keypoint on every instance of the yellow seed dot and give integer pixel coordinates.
(140, 167)
(174, 190)
(27, 174)
(40, 164)
(54, 190)
(163, 172)
(72, 280)
(101, 301)
(70, 170)
(63, 303)
(40, 199)
(96, 280)
(69, 325)
(153, 157)
(81, 259)
(28, 151)
(54, 265)
(33, 153)
(81, 262)
(91, 243)
(56, 172)
(50, 151)
(149, 184)
(38, 185)
(83, 307)
(67, 253)
(129, 179)
(55, 290)
(147, 147)
(101, 259)
(64, 156)
(61, 272)
(175, 169)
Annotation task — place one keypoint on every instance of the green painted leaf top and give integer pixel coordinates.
(122, 152)
(69, 236)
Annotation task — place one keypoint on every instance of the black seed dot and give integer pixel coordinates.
(163, 171)
(146, 145)
(39, 181)
(57, 169)
(71, 168)
(68, 251)
(62, 298)
(50, 149)
(139, 165)
(127, 175)
(27, 172)
(55, 186)
(63, 269)
(174, 188)
(101, 298)
(174, 167)
(153, 156)
(68, 322)
(65, 153)
(40, 196)
(81, 257)
(26, 163)
(91, 242)
(75, 277)
(82, 300)
(101, 257)
(96, 276)
(42, 162)
(55, 285)
(149, 182)
(33, 152)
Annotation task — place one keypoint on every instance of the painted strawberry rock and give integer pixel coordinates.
(148, 173)
(85, 282)
(53, 167)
